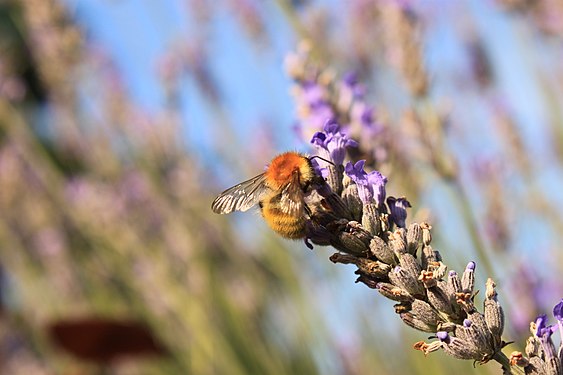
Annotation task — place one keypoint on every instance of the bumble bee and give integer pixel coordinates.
(280, 193)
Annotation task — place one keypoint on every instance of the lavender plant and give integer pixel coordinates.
(370, 230)
(352, 213)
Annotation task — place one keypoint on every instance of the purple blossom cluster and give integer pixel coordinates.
(323, 101)
(332, 142)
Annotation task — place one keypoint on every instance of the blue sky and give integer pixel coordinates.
(137, 35)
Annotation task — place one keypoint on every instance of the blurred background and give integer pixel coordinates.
(121, 120)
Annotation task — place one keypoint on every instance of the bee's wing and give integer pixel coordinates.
(291, 201)
(241, 197)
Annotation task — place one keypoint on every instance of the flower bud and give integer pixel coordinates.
(370, 219)
(334, 178)
(402, 278)
(415, 322)
(394, 293)
(532, 346)
(381, 250)
(426, 235)
(494, 315)
(468, 278)
(440, 271)
(411, 266)
(479, 333)
(414, 236)
(439, 298)
(460, 349)
(428, 257)
(397, 241)
(427, 314)
(374, 269)
(368, 281)
(352, 199)
(351, 244)
(454, 283)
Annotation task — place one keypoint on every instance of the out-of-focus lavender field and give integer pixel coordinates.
(111, 260)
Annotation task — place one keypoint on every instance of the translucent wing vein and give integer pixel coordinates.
(241, 197)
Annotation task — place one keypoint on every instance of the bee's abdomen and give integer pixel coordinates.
(288, 226)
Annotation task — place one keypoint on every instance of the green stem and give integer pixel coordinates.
(289, 13)
(503, 360)
(471, 226)
(318, 53)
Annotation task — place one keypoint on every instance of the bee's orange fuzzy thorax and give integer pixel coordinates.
(282, 168)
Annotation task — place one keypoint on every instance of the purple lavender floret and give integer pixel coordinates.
(333, 141)
(360, 177)
(377, 182)
(371, 186)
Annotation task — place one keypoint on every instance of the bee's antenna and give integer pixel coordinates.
(317, 156)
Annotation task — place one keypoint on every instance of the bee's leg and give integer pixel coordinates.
(261, 205)
(308, 210)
